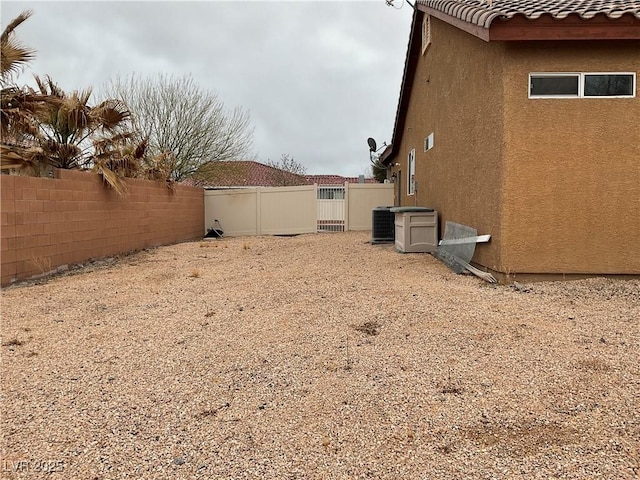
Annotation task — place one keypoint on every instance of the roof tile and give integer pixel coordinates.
(244, 173)
(336, 179)
(248, 173)
(483, 12)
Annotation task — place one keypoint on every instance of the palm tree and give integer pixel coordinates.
(73, 132)
(14, 55)
(18, 105)
(51, 128)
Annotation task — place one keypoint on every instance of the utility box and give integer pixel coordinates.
(416, 229)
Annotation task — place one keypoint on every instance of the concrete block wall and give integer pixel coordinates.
(47, 223)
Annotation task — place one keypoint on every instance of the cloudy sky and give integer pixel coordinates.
(317, 77)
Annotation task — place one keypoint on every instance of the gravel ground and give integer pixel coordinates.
(316, 356)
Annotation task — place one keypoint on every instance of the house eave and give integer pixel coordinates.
(474, 30)
(572, 27)
(411, 60)
(519, 28)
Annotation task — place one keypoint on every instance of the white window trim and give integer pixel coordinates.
(428, 142)
(411, 169)
(581, 77)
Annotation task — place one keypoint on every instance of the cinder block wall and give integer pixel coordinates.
(74, 217)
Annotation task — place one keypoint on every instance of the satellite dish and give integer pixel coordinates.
(372, 144)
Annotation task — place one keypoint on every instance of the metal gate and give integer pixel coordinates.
(331, 208)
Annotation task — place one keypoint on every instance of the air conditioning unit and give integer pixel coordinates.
(382, 225)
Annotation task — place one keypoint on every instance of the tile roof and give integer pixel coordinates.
(483, 12)
(248, 173)
(244, 173)
(336, 179)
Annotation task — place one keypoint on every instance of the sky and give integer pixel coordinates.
(317, 77)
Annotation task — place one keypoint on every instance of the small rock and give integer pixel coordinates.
(179, 461)
(520, 287)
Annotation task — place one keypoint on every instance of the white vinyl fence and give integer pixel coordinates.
(294, 210)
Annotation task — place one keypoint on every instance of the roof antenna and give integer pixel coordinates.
(390, 4)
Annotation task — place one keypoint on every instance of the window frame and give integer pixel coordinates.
(581, 83)
(411, 169)
(428, 142)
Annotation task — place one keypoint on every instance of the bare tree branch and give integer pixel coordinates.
(184, 122)
(287, 165)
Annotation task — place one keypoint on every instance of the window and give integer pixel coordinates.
(554, 85)
(580, 85)
(428, 142)
(608, 85)
(426, 32)
(411, 164)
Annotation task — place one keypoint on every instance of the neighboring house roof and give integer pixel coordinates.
(248, 173)
(335, 179)
(515, 20)
(244, 173)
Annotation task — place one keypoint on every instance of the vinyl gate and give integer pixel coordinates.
(331, 208)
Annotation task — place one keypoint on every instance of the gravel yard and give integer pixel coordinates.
(316, 357)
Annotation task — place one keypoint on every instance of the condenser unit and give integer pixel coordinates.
(382, 225)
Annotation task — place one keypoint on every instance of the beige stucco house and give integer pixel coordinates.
(522, 119)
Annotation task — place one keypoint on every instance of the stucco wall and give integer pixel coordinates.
(572, 166)
(47, 222)
(458, 95)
